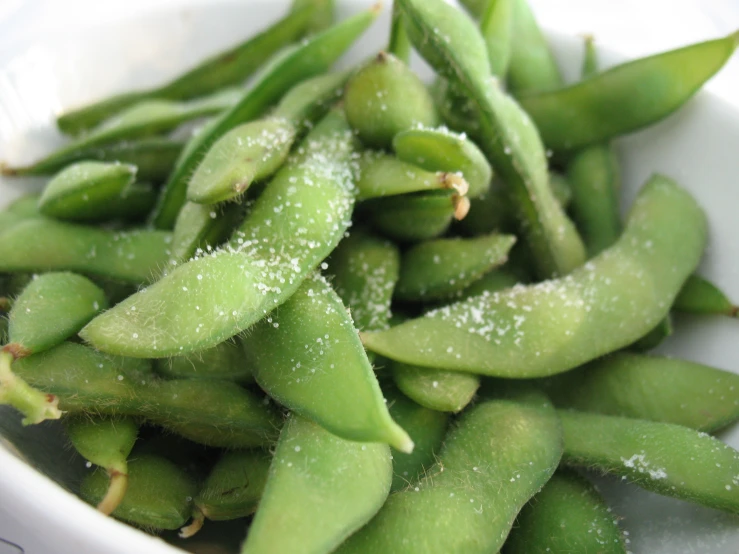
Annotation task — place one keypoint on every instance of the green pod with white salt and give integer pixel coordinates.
(435, 389)
(201, 228)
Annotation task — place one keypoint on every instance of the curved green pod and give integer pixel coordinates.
(427, 428)
(435, 389)
(297, 222)
(105, 442)
(364, 270)
(652, 388)
(700, 296)
(202, 228)
(96, 191)
(46, 245)
(554, 326)
(444, 150)
(308, 357)
(661, 457)
(382, 175)
(496, 458)
(216, 413)
(497, 28)
(312, 57)
(225, 361)
(386, 97)
(52, 308)
(568, 515)
(159, 494)
(451, 43)
(320, 489)
(441, 268)
(626, 97)
(227, 68)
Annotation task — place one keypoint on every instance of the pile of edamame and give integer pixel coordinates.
(365, 313)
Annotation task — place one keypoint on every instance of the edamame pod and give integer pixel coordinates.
(321, 488)
(47, 245)
(323, 13)
(451, 43)
(200, 304)
(312, 57)
(641, 92)
(159, 494)
(201, 228)
(700, 296)
(308, 357)
(443, 150)
(386, 97)
(568, 515)
(444, 391)
(551, 327)
(650, 387)
(107, 443)
(441, 268)
(493, 281)
(496, 25)
(226, 361)
(399, 44)
(660, 457)
(36, 406)
(227, 68)
(497, 457)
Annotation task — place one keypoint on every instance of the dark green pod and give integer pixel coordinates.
(700, 296)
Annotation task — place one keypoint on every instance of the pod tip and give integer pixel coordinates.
(461, 207)
(198, 519)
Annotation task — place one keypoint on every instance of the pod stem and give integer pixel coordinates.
(198, 519)
(116, 489)
(35, 405)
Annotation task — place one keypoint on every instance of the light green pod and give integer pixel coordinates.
(661, 332)
(296, 223)
(107, 443)
(255, 150)
(493, 281)
(386, 97)
(46, 245)
(308, 357)
(35, 405)
(568, 515)
(159, 494)
(320, 490)
(225, 361)
(96, 191)
(650, 387)
(455, 108)
(201, 228)
(441, 268)
(8, 220)
(215, 413)
(451, 43)
(497, 27)
(700, 296)
(667, 459)
(363, 270)
(435, 389)
(554, 326)
(26, 205)
(497, 457)
(383, 174)
(426, 427)
(444, 150)
(417, 217)
(399, 44)
(323, 13)
(52, 308)
(314, 56)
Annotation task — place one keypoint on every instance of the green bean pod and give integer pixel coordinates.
(700, 296)
(554, 326)
(311, 58)
(364, 270)
(226, 361)
(215, 413)
(441, 268)
(497, 27)
(320, 489)
(627, 97)
(107, 443)
(296, 222)
(386, 97)
(568, 515)
(308, 357)
(46, 245)
(228, 68)
(451, 43)
(661, 457)
(201, 228)
(443, 150)
(427, 428)
(435, 389)
(159, 494)
(659, 389)
(497, 457)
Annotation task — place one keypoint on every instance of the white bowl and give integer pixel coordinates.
(45, 74)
